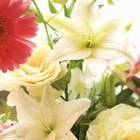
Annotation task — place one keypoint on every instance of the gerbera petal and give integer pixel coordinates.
(6, 63)
(69, 48)
(17, 8)
(4, 4)
(16, 28)
(68, 112)
(24, 24)
(22, 51)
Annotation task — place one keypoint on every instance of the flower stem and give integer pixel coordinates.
(66, 93)
(44, 23)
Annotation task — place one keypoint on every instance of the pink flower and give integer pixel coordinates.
(15, 29)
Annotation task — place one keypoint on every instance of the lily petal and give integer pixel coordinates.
(68, 136)
(68, 48)
(115, 50)
(48, 97)
(88, 12)
(30, 110)
(96, 66)
(68, 112)
(64, 25)
(76, 74)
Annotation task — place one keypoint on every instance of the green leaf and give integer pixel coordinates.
(69, 9)
(124, 96)
(76, 63)
(51, 7)
(61, 84)
(82, 133)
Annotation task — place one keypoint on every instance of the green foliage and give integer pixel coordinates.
(52, 7)
(6, 112)
(76, 63)
(126, 96)
(61, 83)
(105, 88)
(69, 9)
(81, 126)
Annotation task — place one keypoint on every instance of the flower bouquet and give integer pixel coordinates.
(70, 70)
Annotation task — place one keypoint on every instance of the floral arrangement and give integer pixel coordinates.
(71, 70)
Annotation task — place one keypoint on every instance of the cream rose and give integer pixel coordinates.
(121, 122)
(33, 74)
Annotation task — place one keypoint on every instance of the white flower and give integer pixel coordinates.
(121, 122)
(88, 36)
(47, 120)
(80, 83)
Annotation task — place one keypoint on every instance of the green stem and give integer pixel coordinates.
(66, 93)
(44, 23)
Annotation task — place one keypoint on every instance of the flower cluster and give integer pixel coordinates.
(70, 69)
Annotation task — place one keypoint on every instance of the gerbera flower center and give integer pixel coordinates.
(5, 28)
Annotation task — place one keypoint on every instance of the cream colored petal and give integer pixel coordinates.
(48, 97)
(51, 136)
(115, 123)
(76, 75)
(28, 110)
(69, 48)
(96, 66)
(88, 15)
(68, 112)
(65, 25)
(106, 53)
(112, 51)
(106, 29)
(68, 136)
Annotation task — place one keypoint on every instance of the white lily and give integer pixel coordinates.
(47, 120)
(88, 36)
(81, 83)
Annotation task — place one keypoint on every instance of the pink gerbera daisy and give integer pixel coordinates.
(15, 28)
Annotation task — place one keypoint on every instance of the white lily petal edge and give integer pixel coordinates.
(45, 120)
